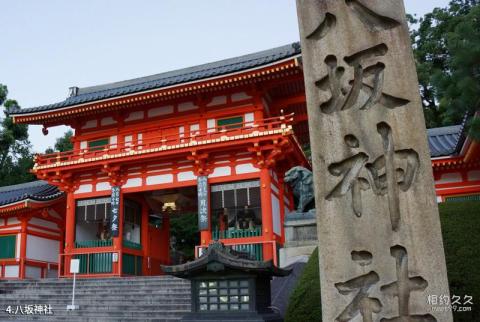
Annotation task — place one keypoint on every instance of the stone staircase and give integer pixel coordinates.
(160, 298)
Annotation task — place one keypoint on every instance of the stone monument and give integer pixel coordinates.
(380, 243)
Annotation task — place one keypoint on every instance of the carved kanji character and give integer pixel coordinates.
(402, 287)
(346, 94)
(361, 304)
(371, 19)
(394, 170)
(352, 180)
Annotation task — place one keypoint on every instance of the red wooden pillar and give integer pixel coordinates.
(144, 235)
(70, 223)
(69, 231)
(281, 187)
(267, 222)
(118, 241)
(23, 247)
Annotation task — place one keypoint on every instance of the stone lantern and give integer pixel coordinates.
(227, 286)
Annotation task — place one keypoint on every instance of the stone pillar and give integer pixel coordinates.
(381, 251)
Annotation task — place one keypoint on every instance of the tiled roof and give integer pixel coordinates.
(36, 190)
(443, 141)
(176, 77)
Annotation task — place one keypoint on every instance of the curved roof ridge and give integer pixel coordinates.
(169, 78)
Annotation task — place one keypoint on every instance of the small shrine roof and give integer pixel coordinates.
(36, 190)
(444, 141)
(218, 258)
(171, 78)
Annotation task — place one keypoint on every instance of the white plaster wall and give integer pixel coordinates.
(277, 229)
(11, 270)
(218, 100)
(138, 115)
(55, 214)
(133, 182)
(17, 248)
(240, 96)
(84, 188)
(43, 223)
(42, 249)
(245, 168)
(186, 106)
(186, 175)
(450, 177)
(113, 141)
(194, 128)
(211, 125)
(220, 172)
(101, 186)
(83, 145)
(473, 175)
(108, 121)
(33, 272)
(162, 178)
(12, 221)
(162, 110)
(90, 124)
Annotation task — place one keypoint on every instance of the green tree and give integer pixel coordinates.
(16, 158)
(440, 44)
(63, 143)
(459, 87)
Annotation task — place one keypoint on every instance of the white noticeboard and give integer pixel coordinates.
(74, 266)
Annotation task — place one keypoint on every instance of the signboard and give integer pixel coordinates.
(203, 206)
(74, 266)
(115, 204)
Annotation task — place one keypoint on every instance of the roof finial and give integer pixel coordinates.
(72, 91)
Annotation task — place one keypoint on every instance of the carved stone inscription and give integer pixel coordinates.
(380, 247)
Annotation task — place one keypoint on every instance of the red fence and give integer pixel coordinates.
(158, 138)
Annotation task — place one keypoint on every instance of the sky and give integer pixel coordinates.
(50, 45)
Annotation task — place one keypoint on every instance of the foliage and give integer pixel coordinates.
(304, 303)
(63, 143)
(461, 239)
(16, 160)
(446, 50)
(185, 228)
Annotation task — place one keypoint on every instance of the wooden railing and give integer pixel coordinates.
(93, 243)
(159, 138)
(236, 233)
(97, 263)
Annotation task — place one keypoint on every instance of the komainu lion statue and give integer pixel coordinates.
(301, 180)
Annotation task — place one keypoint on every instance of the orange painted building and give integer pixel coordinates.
(239, 124)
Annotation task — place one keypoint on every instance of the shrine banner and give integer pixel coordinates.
(203, 206)
(115, 205)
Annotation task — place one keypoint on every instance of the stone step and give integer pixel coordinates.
(127, 297)
(161, 298)
(95, 289)
(137, 291)
(97, 284)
